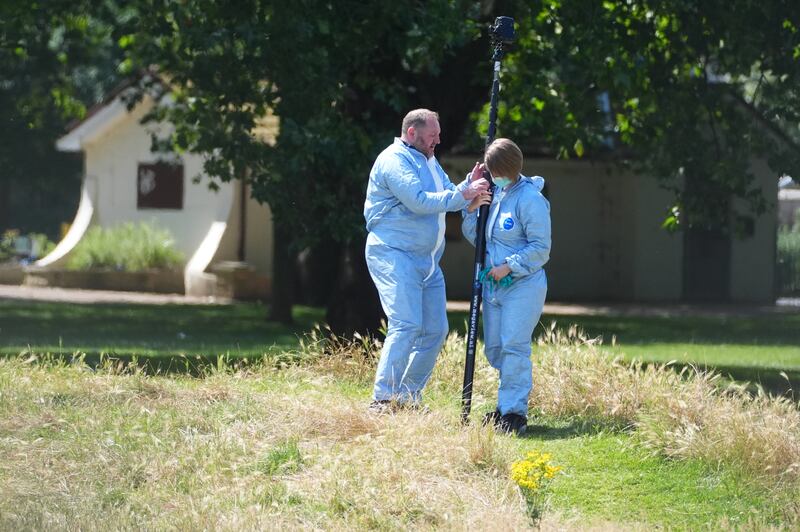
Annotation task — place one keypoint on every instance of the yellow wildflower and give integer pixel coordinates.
(531, 472)
(532, 475)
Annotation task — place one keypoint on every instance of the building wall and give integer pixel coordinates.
(658, 261)
(258, 247)
(608, 243)
(259, 243)
(111, 169)
(594, 232)
(753, 257)
(579, 264)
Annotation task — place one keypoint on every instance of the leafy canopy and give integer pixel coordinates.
(338, 75)
(688, 91)
(55, 60)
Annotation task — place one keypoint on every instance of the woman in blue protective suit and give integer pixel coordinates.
(514, 282)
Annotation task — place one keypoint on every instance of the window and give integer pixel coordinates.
(159, 186)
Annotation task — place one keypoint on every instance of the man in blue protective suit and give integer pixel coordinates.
(407, 197)
(514, 283)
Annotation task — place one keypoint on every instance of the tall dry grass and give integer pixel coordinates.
(262, 449)
(679, 413)
(682, 414)
(286, 446)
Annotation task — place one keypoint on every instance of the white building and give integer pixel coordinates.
(225, 235)
(608, 243)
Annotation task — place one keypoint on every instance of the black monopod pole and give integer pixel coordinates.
(502, 34)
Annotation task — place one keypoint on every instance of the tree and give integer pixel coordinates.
(682, 89)
(340, 77)
(54, 61)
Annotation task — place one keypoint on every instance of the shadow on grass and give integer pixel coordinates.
(197, 338)
(772, 381)
(194, 365)
(548, 432)
(544, 428)
(158, 331)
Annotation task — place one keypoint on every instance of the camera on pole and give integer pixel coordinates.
(502, 31)
(502, 35)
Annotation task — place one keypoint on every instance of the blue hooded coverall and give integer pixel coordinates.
(407, 197)
(518, 234)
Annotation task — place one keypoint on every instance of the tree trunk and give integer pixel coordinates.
(706, 265)
(317, 269)
(282, 275)
(4, 204)
(354, 304)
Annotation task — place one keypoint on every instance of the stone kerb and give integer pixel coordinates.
(165, 282)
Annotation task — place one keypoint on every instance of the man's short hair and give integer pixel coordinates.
(503, 159)
(417, 118)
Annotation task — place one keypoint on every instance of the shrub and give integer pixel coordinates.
(127, 247)
(35, 246)
(789, 261)
(41, 245)
(7, 244)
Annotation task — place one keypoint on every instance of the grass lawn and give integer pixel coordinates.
(755, 349)
(766, 341)
(147, 330)
(295, 448)
(611, 478)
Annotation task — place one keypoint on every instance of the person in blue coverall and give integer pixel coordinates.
(515, 285)
(407, 197)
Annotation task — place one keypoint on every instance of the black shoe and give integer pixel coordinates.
(416, 407)
(512, 424)
(383, 406)
(491, 418)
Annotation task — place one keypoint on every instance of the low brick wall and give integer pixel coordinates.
(235, 280)
(163, 282)
(11, 274)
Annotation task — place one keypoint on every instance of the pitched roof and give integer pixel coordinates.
(118, 102)
(103, 115)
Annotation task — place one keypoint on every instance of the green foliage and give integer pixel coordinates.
(127, 247)
(55, 60)
(689, 92)
(39, 244)
(7, 244)
(789, 262)
(340, 77)
(691, 89)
